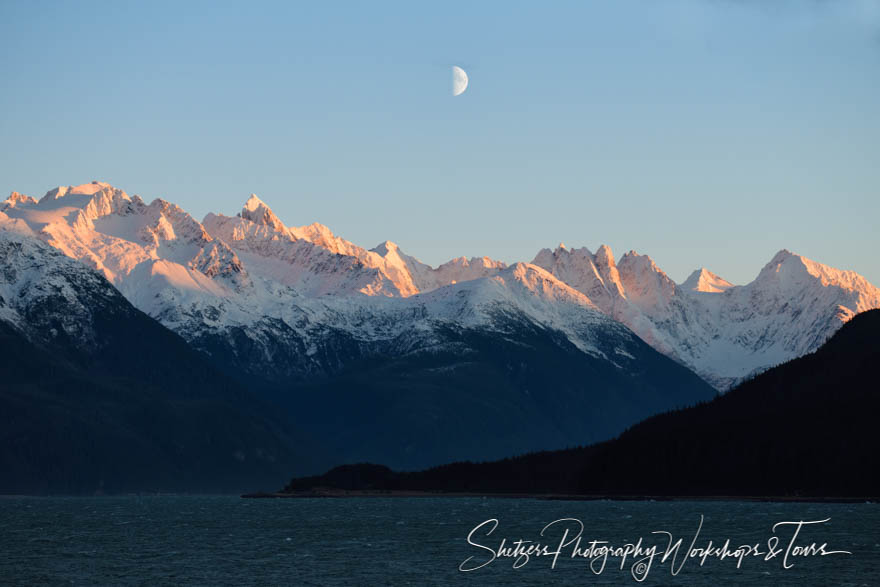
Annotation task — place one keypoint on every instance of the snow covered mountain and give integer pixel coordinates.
(50, 297)
(254, 291)
(724, 332)
(704, 280)
(370, 353)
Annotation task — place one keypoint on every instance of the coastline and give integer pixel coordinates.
(364, 493)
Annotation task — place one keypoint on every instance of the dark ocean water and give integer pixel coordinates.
(221, 540)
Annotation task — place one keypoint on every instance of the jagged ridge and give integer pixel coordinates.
(253, 281)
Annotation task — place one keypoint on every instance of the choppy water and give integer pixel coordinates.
(220, 540)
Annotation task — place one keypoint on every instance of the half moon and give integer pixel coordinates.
(459, 80)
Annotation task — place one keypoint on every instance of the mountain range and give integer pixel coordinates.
(251, 281)
(376, 356)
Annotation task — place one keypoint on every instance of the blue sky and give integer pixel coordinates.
(704, 133)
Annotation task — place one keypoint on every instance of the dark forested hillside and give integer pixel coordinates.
(805, 428)
(152, 423)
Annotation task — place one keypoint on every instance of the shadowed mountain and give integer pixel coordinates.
(96, 396)
(484, 395)
(804, 428)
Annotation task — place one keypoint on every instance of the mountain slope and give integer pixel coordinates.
(805, 428)
(97, 396)
(723, 332)
(484, 391)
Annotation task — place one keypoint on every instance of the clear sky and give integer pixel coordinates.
(703, 133)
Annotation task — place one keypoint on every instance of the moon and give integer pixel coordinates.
(459, 80)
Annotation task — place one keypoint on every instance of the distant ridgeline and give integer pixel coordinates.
(805, 428)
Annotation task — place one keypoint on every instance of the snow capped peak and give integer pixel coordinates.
(604, 255)
(595, 276)
(782, 255)
(645, 284)
(86, 189)
(604, 259)
(544, 258)
(253, 202)
(486, 262)
(16, 198)
(79, 205)
(385, 248)
(561, 254)
(790, 272)
(90, 188)
(259, 213)
(703, 280)
(94, 199)
(636, 262)
(126, 239)
(464, 263)
(54, 193)
(785, 267)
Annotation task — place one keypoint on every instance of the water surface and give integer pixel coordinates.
(224, 540)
